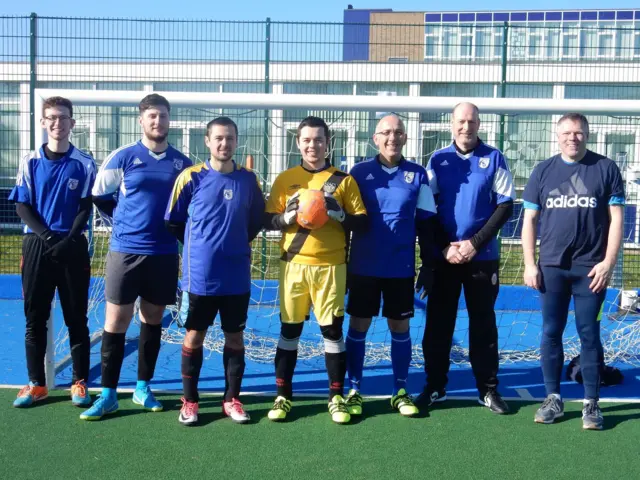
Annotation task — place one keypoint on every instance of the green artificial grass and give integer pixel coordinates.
(458, 439)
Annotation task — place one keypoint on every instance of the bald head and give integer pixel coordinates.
(465, 107)
(390, 137)
(465, 122)
(392, 118)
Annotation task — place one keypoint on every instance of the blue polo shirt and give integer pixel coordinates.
(54, 188)
(223, 213)
(394, 198)
(467, 189)
(141, 181)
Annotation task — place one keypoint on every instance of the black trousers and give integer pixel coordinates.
(40, 277)
(481, 285)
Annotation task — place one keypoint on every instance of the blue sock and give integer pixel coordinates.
(110, 393)
(142, 385)
(355, 356)
(400, 359)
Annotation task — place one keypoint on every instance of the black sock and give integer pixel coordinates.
(336, 369)
(112, 352)
(36, 352)
(191, 366)
(285, 365)
(233, 361)
(148, 350)
(80, 349)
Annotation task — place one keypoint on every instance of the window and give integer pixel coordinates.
(624, 40)
(466, 41)
(588, 40)
(536, 38)
(606, 41)
(552, 37)
(432, 41)
(450, 42)
(483, 43)
(517, 41)
(498, 35)
(570, 38)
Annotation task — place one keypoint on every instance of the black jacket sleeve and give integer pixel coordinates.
(273, 221)
(106, 206)
(355, 223)
(177, 229)
(82, 217)
(426, 231)
(496, 221)
(31, 218)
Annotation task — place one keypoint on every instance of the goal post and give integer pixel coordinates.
(527, 140)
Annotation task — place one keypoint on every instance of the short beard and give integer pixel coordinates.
(156, 138)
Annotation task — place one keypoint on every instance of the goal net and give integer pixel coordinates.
(523, 128)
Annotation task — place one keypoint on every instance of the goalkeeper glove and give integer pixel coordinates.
(291, 210)
(424, 283)
(334, 210)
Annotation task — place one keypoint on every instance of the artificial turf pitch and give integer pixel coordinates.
(457, 439)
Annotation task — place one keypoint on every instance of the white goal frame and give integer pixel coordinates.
(370, 103)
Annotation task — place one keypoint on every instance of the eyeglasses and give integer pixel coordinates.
(388, 133)
(55, 118)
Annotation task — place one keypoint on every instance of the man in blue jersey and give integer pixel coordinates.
(399, 204)
(216, 211)
(579, 197)
(53, 198)
(133, 186)
(474, 194)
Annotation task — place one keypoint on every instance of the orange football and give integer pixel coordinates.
(312, 212)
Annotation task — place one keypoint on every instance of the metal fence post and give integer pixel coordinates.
(503, 93)
(33, 45)
(503, 80)
(265, 135)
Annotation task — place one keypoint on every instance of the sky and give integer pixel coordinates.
(278, 10)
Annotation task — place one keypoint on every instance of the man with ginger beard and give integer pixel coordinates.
(133, 187)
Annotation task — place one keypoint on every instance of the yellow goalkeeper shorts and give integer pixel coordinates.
(302, 286)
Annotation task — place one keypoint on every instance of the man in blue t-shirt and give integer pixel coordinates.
(53, 198)
(578, 196)
(133, 186)
(216, 211)
(399, 204)
(474, 194)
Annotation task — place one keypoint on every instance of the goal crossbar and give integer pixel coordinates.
(374, 103)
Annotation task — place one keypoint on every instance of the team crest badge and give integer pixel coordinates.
(73, 184)
(408, 177)
(329, 187)
(177, 164)
(484, 162)
(228, 194)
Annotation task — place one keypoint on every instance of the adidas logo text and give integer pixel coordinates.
(573, 201)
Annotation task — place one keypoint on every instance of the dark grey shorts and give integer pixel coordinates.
(152, 277)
